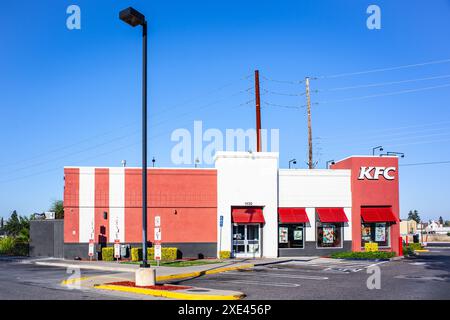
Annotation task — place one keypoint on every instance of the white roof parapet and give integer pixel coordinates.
(315, 172)
(246, 154)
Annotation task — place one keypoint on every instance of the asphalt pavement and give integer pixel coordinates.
(423, 277)
(26, 281)
(426, 276)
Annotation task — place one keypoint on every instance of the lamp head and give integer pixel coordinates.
(132, 17)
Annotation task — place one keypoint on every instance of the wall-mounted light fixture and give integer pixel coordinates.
(292, 161)
(380, 148)
(329, 162)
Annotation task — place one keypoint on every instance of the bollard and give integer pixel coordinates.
(400, 246)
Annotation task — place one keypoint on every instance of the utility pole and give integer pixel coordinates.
(258, 112)
(308, 106)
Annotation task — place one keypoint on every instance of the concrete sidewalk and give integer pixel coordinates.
(164, 271)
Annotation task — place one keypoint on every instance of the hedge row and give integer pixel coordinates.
(415, 246)
(409, 249)
(108, 254)
(224, 254)
(10, 246)
(168, 254)
(364, 255)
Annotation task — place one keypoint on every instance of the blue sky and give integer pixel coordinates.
(72, 97)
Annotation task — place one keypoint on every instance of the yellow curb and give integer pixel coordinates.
(199, 273)
(172, 276)
(74, 280)
(422, 250)
(168, 294)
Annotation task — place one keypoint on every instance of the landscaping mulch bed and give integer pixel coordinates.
(156, 287)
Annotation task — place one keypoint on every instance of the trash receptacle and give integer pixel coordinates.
(416, 238)
(124, 249)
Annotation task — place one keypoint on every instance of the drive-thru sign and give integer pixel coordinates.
(157, 246)
(117, 249)
(91, 248)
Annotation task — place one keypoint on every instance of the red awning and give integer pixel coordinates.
(292, 215)
(331, 214)
(378, 214)
(247, 215)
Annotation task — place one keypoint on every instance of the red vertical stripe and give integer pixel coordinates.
(101, 228)
(71, 204)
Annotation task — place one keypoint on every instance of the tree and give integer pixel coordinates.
(441, 220)
(414, 215)
(17, 225)
(58, 208)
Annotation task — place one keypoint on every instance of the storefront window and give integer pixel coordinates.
(290, 236)
(329, 235)
(375, 232)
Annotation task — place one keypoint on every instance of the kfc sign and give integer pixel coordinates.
(373, 173)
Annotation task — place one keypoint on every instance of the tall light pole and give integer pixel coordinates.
(135, 18)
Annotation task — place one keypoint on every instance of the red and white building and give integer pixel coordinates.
(265, 211)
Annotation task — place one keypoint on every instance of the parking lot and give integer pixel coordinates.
(423, 277)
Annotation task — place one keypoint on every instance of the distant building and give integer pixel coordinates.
(408, 227)
(434, 227)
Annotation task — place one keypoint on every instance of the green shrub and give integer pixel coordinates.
(13, 247)
(415, 246)
(7, 245)
(407, 251)
(136, 254)
(108, 254)
(168, 254)
(224, 254)
(363, 255)
(21, 249)
(448, 234)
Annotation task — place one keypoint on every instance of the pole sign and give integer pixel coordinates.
(157, 252)
(221, 221)
(157, 246)
(91, 248)
(117, 249)
(157, 234)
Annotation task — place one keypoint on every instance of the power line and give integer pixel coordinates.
(383, 83)
(283, 81)
(121, 137)
(395, 129)
(72, 153)
(384, 69)
(284, 93)
(390, 135)
(108, 132)
(424, 163)
(385, 94)
(281, 106)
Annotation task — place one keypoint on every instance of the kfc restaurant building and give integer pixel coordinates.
(245, 205)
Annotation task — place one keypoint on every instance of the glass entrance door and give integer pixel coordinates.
(246, 240)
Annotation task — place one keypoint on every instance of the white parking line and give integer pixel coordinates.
(270, 284)
(290, 276)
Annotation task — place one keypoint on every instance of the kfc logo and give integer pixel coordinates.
(373, 173)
